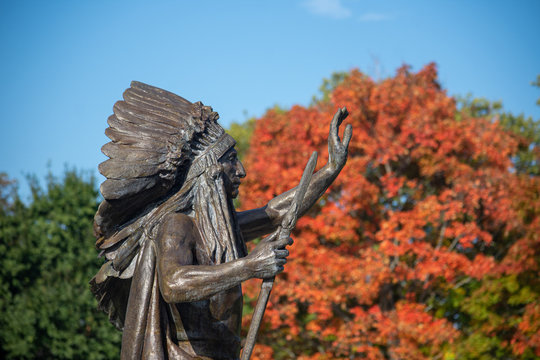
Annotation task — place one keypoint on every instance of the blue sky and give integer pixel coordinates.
(65, 63)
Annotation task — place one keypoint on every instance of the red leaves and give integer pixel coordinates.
(528, 334)
(426, 204)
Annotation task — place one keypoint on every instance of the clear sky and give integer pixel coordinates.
(65, 63)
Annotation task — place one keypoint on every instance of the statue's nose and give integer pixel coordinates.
(240, 171)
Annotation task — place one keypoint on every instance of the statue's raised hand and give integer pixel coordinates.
(337, 149)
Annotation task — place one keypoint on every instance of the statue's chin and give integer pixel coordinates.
(234, 192)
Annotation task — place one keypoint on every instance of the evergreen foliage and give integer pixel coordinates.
(46, 308)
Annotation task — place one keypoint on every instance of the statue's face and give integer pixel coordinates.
(233, 172)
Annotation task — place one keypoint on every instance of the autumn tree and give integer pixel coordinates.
(425, 247)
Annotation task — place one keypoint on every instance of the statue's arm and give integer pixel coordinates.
(257, 222)
(181, 281)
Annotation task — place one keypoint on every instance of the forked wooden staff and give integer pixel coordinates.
(287, 225)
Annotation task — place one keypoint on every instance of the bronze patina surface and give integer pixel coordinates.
(173, 243)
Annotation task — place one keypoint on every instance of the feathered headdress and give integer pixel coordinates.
(157, 139)
(159, 142)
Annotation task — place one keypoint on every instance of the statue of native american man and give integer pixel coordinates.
(173, 243)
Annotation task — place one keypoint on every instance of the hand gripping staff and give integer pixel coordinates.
(287, 225)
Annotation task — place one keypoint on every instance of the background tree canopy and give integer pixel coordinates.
(48, 257)
(426, 247)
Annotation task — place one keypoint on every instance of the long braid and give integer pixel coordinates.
(213, 215)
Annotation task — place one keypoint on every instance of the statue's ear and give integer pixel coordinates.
(214, 171)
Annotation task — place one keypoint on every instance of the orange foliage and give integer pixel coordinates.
(424, 206)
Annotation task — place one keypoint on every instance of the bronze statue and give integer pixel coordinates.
(173, 243)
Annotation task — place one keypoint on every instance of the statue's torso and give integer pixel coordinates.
(209, 328)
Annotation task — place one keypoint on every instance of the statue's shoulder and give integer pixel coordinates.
(178, 219)
(178, 227)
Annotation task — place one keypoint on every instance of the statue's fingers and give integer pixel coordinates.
(282, 242)
(281, 253)
(281, 262)
(347, 135)
(343, 115)
(279, 243)
(335, 123)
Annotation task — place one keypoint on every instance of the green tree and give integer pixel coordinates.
(537, 84)
(498, 308)
(328, 85)
(46, 308)
(242, 132)
(7, 190)
(526, 130)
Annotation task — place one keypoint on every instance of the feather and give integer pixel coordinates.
(117, 169)
(129, 153)
(120, 123)
(132, 139)
(114, 189)
(145, 119)
(163, 110)
(127, 251)
(130, 269)
(118, 236)
(142, 101)
(163, 96)
(111, 293)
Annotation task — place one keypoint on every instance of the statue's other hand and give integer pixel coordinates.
(269, 256)
(337, 149)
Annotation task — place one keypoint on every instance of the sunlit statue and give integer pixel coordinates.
(173, 243)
